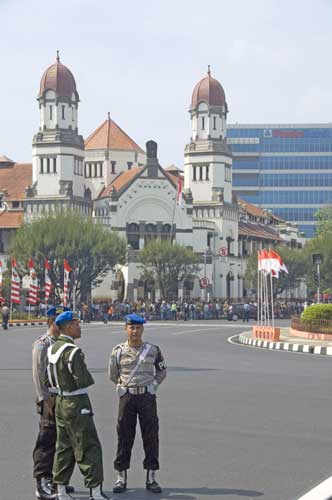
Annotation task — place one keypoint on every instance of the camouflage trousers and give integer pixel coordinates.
(77, 441)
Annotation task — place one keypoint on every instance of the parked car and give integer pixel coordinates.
(236, 311)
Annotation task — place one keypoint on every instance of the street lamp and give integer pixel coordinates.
(206, 254)
(317, 260)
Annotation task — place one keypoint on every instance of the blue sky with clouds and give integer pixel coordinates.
(141, 59)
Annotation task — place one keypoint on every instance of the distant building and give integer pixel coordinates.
(284, 168)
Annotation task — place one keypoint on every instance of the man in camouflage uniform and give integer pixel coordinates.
(44, 450)
(77, 438)
(137, 368)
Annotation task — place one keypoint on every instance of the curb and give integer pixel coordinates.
(30, 323)
(285, 346)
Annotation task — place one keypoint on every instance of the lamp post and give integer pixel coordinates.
(317, 260)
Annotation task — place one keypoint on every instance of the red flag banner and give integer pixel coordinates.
(67, 270)
(15, 285)
(33, 288)
(179, 192)
(48, 282)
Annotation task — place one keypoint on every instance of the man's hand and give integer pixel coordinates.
(49, 407)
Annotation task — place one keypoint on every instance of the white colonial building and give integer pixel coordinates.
(111, 178)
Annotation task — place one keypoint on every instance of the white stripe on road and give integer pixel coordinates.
(321, 492)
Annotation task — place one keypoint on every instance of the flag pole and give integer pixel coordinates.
(258, 295)
(272, 306)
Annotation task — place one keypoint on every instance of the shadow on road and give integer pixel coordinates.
(178, 494)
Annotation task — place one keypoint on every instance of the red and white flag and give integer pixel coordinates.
(48, 282)
(264, 263)
(179, 198)
(33, 288)
(15, 285)
(67, 269)
(277, 264)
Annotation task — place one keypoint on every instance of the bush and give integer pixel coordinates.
(317, 311)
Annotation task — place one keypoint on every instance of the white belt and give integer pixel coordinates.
(78, 392)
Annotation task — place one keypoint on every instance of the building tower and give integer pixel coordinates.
(208, 160)
(57, 148)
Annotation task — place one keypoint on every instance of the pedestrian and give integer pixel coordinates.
(137, 368)
(246, 312)
(77, 438)
(5, 315)
(43, 453)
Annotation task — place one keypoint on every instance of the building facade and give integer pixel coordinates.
(110, 178)
(284, 168)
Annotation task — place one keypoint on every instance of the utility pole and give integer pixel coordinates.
(317, 260)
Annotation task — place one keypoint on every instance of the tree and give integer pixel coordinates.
(324, 218)
(90, 249)
(168, 264)
(322, 244)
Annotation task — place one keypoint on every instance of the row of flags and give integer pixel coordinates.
(270, 262)
(34, 285)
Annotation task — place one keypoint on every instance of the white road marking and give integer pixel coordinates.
(320, 492)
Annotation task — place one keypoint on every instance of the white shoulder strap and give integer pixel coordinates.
(70, 360)
(53, 358)
(141, 358)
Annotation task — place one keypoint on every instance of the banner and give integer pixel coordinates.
(33, 288)
(15, 285)
(67, 270)
(48, 282)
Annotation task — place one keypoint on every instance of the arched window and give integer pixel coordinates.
(133, 235)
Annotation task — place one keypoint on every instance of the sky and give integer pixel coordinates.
(140, 60)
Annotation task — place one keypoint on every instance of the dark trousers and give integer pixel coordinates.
(145, 407)
(43, 453)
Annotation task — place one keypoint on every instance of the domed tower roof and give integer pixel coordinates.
(58, 78)
(210, 91)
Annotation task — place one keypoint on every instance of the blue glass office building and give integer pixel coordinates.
(285, 168)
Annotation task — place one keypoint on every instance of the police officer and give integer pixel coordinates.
(137, 368)
(44, 450)
(77, 438)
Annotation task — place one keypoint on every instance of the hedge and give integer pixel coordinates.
(317, 311)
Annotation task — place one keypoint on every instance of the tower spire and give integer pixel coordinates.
(209, 70)
(57, 56)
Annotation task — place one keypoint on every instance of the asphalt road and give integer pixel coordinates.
(236, 422)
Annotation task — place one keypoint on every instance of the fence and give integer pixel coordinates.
(313, 326)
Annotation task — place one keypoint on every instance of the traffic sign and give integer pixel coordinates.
(223, 252)
(204, 282)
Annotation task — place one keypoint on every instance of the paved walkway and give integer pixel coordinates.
(287, 342)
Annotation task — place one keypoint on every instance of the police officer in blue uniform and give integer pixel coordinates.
(137, 368)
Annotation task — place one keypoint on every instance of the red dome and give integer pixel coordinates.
(58, 78)
(210, 91)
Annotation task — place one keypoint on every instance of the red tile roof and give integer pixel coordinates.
(121, 181)
(14, 180)
(5, 159)
(110, 136)
(258, 231)
(11, 219)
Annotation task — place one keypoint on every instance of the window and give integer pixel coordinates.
(113, 163)
(48, 163)
(130, 164)
(133, 236)
(54, 165)
(207, 173)
(194, 174)
(228, 173)
(203, 123)
(200, 173)
(95, 170)
(41, 165)
(214, 123)
(15, 204)
(51, 112)
(63, 111)
(100, 169)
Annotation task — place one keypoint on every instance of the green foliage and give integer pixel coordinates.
(324, 218)
(168, 264)
(90, 249)
(317, 311)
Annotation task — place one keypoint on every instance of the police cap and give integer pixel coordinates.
(64, 317)
(134, 319)
(56, 310)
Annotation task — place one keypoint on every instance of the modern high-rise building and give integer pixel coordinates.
(284, 168)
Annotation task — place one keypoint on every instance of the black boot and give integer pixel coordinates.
(121, 482)
(151, 483)
(43, 491)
